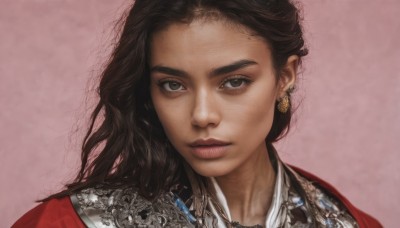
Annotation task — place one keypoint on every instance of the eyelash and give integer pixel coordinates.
(245, 81)
(162, 84)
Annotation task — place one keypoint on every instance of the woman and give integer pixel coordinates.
(195, 94)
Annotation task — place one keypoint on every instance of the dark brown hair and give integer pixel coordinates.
(125, 144)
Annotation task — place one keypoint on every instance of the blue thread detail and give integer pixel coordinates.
(329, 223)
(181, 205)
(328, 205)
(298, 201)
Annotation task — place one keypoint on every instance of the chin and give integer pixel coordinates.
(211, 169)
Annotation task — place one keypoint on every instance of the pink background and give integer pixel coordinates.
(347, 127)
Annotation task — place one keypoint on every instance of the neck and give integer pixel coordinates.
(249, 189)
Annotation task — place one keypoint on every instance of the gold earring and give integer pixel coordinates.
(283, 105)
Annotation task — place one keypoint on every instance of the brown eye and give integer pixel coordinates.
(235, 83)
(172, 86)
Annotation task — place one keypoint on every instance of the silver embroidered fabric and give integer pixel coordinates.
(106, 208)
(288, 209)
(326, 210)
(117, 208)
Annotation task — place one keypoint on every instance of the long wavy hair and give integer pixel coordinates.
(125, 144)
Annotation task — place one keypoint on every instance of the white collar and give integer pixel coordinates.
(274, 215)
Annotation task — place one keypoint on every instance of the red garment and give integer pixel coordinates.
(59, 213)
(55, 213)
(363, 219)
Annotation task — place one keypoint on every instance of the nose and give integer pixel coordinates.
(205, 112)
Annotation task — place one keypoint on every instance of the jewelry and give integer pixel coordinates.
(284, 103)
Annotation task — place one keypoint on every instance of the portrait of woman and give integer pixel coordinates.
(191, 104)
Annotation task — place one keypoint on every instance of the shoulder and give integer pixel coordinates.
(125, 207)
(52, 213)
(362, 218)
(102, 207)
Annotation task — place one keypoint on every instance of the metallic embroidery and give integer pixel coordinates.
(327, 211)
(109, 208)
(126, 208)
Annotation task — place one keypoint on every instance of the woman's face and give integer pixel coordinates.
(213, 87)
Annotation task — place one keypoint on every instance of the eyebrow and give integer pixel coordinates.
(215, 72)
(232, 67)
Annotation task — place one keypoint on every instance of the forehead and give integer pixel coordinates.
(205, 43)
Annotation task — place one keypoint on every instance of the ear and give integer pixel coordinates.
(288, 76)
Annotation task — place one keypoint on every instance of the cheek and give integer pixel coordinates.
(170, 115)
(158, 104)
(253, 116)
(167, 120)
(256, 119)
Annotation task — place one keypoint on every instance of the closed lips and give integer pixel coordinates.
(208, 143)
